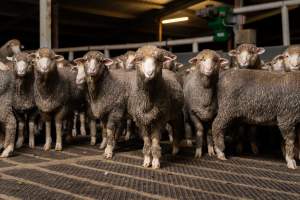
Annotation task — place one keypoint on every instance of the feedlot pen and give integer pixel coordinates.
(80, 172)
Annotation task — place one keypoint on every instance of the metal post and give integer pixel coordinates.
(55, 30)
(195, 47)
(45, 23)
(71, 56)
(160, 31)
(285, 25)
(106, 53)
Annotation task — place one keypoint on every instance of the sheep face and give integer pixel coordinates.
(45, 60)
(277, 63)
(246, 55)
(78, 68)
(128, 60)
(14, 47)
(292, 58)
(95, 63)
(149, 61)
(22, 63)
(208, 62)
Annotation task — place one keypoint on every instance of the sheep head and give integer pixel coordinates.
(292, 58)
(208, 62)
(246, 55)
(95, 63)
(78, 68)
(22, 63)
(45, 60)
(13, 46)
(149, 61)
(277, 63)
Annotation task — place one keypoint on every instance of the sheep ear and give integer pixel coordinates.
(108, 62)
(232, 53)
(31, 56)
(170, 58)
(224, 62)
(22, 47)
(3, 66)
(78, 60)
(193, 60)
(179, 65)
(59, 58)
(260, 50)
(10, 58)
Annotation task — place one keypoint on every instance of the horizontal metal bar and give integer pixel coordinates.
(137, 45)
(265, 6)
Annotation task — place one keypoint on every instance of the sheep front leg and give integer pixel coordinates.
(199, 135)
(155, 149)
(253, 141)
(20, 141)
(147, 150)
(289, 137)
(93, 131)
(10, 134)
(58, 127)
(104, 136)
(218, 128)
(31, 134)
(47, 145)
(74, 128)
(108, 152)
(82, 123)
(128, 129)
(210, 145)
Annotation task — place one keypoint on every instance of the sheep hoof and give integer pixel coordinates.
(108, 153)
(58, 147)
(189, 143)
(31, 144)
(211, 151)
(147, 161)
(155, 163)
(175, 150)
(93, 141)
(198, 153)
(103, 144)
(47, 147)
(74, 132)
(82, 131)
(254, 149)
(19, 143)
(291, 164)
(7, 152)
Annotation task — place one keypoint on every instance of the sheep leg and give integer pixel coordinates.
(31, 134)
(218, 128)
(108, 152)
(10, 133)
(253, 141)
(240, 134)
(199, 135)
(146, 149)
(2, 141)
(20, 141)
(47, 145)
(297, 148)
(289, 137)
(170, 132)
(93, 131)
(74, 129)
(155, 149)
(104, 137)
(58, 129)
(188, 134)
(128, 129)
(210, 146)
(82, 123)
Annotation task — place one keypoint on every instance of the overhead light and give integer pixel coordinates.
(174, 20)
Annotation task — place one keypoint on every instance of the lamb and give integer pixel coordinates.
(107, 93)
(258, 97)
(172, 65)
(200, 98)
(10, 48)
(292, 58)
(52, 92)
(155, 99)
(276, 64)
(23, 99)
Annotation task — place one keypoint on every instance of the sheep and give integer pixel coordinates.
(246, 56)
(23, 98)
(52, 92)
(258, 97)
(172, 65)
(124, 62)
(10, 48)
(292, 58)
(7, 118)
(155, 99)
(276, 64)
(107, 93)
(199, 90)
